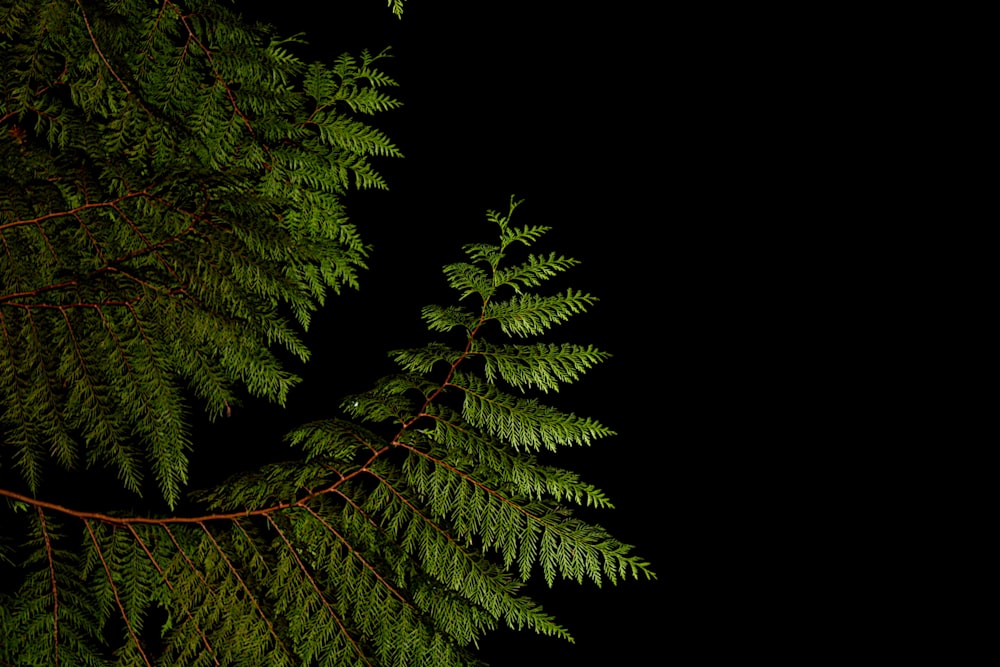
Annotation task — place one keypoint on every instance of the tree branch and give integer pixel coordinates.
(166, 580)
(55, 589)
(315, 587)
(114, 590)
(97, 46)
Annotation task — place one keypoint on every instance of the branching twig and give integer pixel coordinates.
(315, 587)
(357, 554)
(55, 589)
(114, 590)
(243, 585)
(74, 211)
(166, 580)
(97, 46)
(218, 77)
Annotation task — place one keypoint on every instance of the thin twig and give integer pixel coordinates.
(187, 612)
(93, 39)
(55, 589)
(316, 588)
(118, 600)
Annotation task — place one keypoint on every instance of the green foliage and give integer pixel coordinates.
(400, 537)
(171, 184)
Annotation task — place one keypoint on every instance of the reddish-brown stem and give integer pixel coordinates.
(187, 559)
(315, 587)
(243, 585)
(468, 478)
(35, 292)
(149, 246)
(114, 590)
(73, 211)
(415, 511)
(55, 590)
(165, 521)
(64, 306)
(166, 580)
(357, 554)
(90, 237)
(192, 37)
(93, 39)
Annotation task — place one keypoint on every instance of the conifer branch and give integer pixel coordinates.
(415, 510)
(73, 211)
(243, 585)
(357, 554)
(97, 47)
(486, 488)
(152, 244)
(50, 559)
(170, 585)
(187, 559)
(149, 247)
(316, 588)
(208, 54)
(253, 598)
(114, 590)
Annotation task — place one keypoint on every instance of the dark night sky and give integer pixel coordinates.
(565, 113)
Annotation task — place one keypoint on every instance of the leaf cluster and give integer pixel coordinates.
(171, 214)
(400, 536)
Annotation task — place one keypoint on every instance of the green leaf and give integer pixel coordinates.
(544, 366)
(530, 314)
(523, 423)
(173, 212)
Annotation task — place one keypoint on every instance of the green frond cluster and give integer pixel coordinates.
(398, 537)
(397, 7)
(530, 314)
(171, 183)
(542, 366)
(32, 631)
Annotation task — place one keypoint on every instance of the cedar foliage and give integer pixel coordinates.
(172, 185)
(171, 211)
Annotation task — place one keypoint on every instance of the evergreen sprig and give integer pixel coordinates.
(400, 536)
(171, 184)
(171, 215)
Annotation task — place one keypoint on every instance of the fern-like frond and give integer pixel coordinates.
(469, 279)
(446, 318)
(530, 314)
(424, 359)
(172, 183)
(543, 366)
(397, 534)
(54, 616)
(533, 272)
(524, 423)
